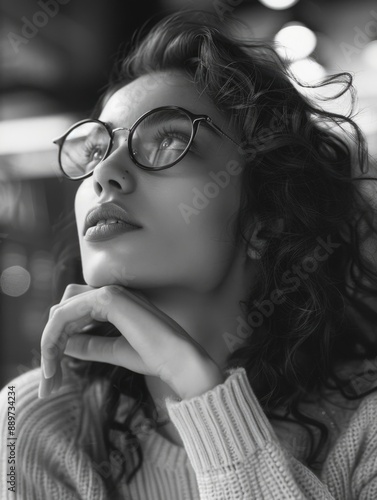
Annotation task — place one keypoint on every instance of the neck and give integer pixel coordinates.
(209, 317)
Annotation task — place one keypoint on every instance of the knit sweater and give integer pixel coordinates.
(231, 450)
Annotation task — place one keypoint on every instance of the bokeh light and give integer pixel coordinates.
(15, 281)
(307, 70)
(295, 41)
(278, 4)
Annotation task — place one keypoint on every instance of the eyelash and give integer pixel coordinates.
(160, 135)
(89, 149)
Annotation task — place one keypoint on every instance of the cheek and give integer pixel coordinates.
(188, 231)
(214, 212)
(199, 213)
(187, 245)
(198, 210)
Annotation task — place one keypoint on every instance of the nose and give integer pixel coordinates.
(113, 174)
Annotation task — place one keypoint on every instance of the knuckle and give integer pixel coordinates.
(70, 290)
(62, 340)
(83, 308)
(52, 310)
(49, 351)
(107, 293)
(73, 289)
(55, 312)
(72, 328)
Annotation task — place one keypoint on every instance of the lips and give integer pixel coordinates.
(108, 211)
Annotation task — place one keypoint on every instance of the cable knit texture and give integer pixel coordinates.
(231, 450)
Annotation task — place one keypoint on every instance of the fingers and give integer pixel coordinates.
(75, 289)
(70, 318)
(58, 378)
(113, 350)
(129, 312)
(65, 319)
(56, 333)
(48, 385)
(45, 386)
(70, 291)
(52, 346)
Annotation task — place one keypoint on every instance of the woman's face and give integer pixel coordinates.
(186, 212)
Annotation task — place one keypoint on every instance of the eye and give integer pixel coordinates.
(97, 155)
(93, 152)
(171, 140)
(166, 143)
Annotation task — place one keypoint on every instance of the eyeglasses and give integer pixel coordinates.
(159, 139)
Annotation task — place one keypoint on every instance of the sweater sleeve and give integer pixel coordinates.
(48, 464)
(233, 448)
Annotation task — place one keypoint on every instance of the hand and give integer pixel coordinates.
(151, 342)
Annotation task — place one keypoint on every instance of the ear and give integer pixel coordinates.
(257, 243)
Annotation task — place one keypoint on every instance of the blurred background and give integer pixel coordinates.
(55, 58)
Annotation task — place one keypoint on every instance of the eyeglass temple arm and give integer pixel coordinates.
(59, 139)
(208, 120)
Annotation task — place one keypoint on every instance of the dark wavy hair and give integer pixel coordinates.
(306, 169)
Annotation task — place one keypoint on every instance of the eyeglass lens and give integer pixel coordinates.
(158, 140)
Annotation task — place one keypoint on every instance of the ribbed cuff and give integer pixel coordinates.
(223, 425)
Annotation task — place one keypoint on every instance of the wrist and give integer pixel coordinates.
(200, 378)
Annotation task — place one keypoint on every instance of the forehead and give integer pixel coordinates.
(150, 91)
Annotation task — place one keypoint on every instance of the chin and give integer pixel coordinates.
(99, 279)
(95, 281)
(101, 270)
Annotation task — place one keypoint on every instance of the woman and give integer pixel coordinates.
(223, 223)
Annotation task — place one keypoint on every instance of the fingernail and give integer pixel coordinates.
(57, 386)
(41, 394)
(48, 372)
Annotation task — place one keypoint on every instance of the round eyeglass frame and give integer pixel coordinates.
(194, 118)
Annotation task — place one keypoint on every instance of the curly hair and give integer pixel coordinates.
(305, 175)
